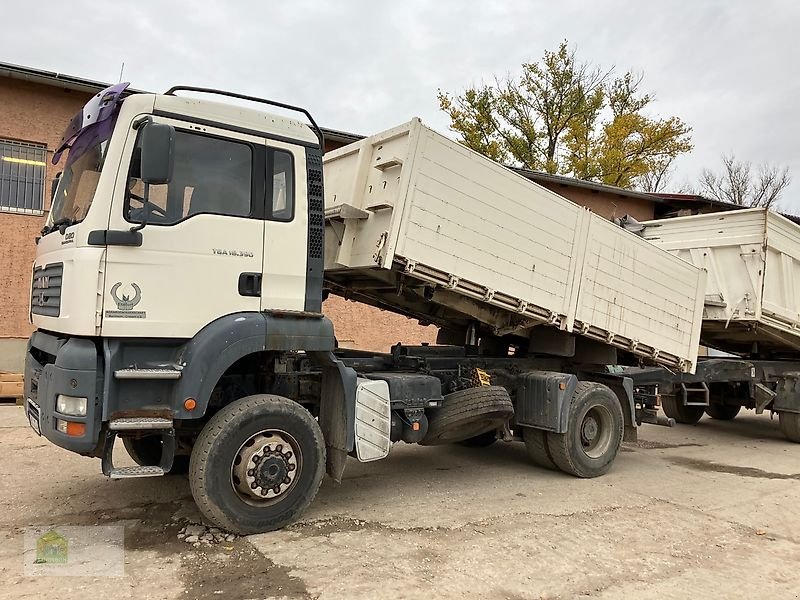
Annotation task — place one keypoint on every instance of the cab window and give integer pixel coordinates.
(211, 176)
(281, 170)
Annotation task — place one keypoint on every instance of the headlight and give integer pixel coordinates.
(71, 405)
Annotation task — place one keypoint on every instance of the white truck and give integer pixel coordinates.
(178, 286)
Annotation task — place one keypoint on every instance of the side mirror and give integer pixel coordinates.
(158, 153)
(54, 185)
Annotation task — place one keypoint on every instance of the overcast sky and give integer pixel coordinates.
(728, 68)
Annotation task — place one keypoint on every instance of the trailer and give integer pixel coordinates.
(751, 313)
(178, 286)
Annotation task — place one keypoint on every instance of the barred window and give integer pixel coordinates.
(22, 172)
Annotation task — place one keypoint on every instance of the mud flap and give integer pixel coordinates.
(337, 411)
(373, 420)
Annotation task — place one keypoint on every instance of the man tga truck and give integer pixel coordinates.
(178, 287)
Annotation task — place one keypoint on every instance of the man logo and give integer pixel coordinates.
(126, 302)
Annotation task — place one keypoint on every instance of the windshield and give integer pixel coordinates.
(78, 184)
(86, 138)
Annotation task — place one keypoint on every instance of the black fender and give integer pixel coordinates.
(206, 357)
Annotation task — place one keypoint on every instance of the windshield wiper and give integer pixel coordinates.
(63, 222)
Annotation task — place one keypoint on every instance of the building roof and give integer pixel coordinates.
(542, 177)
(67, 82)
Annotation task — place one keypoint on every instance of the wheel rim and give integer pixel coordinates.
(266, 467)
(595, 431)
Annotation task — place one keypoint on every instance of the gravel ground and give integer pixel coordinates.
(705, 512)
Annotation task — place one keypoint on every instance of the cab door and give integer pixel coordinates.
(202, 246)
(286, 229)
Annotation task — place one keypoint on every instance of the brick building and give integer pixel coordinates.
(36, 107)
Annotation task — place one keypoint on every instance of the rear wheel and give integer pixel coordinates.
(257, 464)
(536, 445)
(594, 432)
(674, 407)
(790, 426)
(467, 414)
(722, 412)
(146, 451)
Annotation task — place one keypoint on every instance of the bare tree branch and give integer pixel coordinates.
(738, 184)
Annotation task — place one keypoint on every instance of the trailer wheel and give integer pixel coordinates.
(468, 413)
(790, 426)
(594, 432)
(536, 445)
(688, 415)
(257, 464)
(722, 412)
(146, 451)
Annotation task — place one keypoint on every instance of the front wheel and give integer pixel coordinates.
(257, 464)
(594, 432)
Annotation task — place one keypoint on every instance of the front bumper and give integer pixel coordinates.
(68, 366)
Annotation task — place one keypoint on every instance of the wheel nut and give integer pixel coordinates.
(279, 447)
(257, 458)
(253, 485)
(250, 472)
(291, 467)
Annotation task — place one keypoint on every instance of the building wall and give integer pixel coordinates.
(603, 204)
(30, 113)
(365, 327)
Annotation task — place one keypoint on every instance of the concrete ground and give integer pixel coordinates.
(709, 511)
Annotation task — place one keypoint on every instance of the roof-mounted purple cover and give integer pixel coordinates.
(93, 123)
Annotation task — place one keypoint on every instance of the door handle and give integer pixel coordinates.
(250, 284)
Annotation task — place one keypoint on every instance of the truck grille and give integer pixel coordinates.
(46, 290)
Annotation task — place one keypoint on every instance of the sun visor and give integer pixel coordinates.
(93, 123)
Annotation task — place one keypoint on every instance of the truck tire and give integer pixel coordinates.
(594, 432)
(146, 451)
(536, 445)
(468, 413)
(790, 426)
(674, 408)
(483, 440)
(722, 412)
(257, 464)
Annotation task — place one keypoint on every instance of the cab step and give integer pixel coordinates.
(147, 374)
(135, 471)
(137, 423)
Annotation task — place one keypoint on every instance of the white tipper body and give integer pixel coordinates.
(412, 199)
(753, 261)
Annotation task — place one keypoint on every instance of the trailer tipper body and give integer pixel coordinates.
(751, 312)
(752, 294)
(177, 297)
